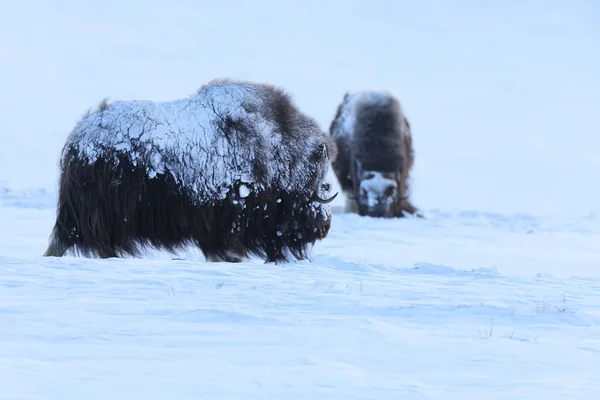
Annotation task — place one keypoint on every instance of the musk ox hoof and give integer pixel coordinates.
(226, 257)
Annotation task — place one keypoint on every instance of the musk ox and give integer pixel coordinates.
(375, 154)
(235, 169)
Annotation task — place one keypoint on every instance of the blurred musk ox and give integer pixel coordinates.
(375, 154)
(235, 169)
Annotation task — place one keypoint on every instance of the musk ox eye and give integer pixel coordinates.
(319, 153)
(389, 191)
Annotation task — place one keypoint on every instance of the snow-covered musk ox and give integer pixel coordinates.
(235, 169)
(375, 154)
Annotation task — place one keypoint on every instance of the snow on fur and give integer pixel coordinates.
(185, 138)
(235, 169)
(352, 103)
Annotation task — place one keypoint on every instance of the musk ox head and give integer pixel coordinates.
(321, 158)
(377, 192)
(375, 154)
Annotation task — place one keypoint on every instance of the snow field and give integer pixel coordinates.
(385, 310)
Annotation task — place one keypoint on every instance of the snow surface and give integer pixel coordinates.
(469, 306)
(495, 295)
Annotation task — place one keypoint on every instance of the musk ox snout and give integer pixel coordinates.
(377, 194)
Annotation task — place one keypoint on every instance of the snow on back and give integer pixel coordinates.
(352, 103)
(185, 137)
(371, 97)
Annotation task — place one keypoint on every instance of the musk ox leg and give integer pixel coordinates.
(93, 206)
(63, 234)
(275, 255)
(291, 240)
(227, 256)
(56, 247)
(408, 208)
(350, 206)
(106, 252)
(61, 242)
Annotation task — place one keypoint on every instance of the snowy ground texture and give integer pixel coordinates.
(463, 306)
(496, 295)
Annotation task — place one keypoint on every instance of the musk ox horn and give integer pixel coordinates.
(318, 199)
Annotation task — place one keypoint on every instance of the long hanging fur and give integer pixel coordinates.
(236, 169)
(373, 137)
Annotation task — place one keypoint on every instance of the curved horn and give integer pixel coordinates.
(318, 199)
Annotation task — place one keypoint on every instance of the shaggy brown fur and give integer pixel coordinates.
(111, 207)
(405, 204)
(380, 141)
